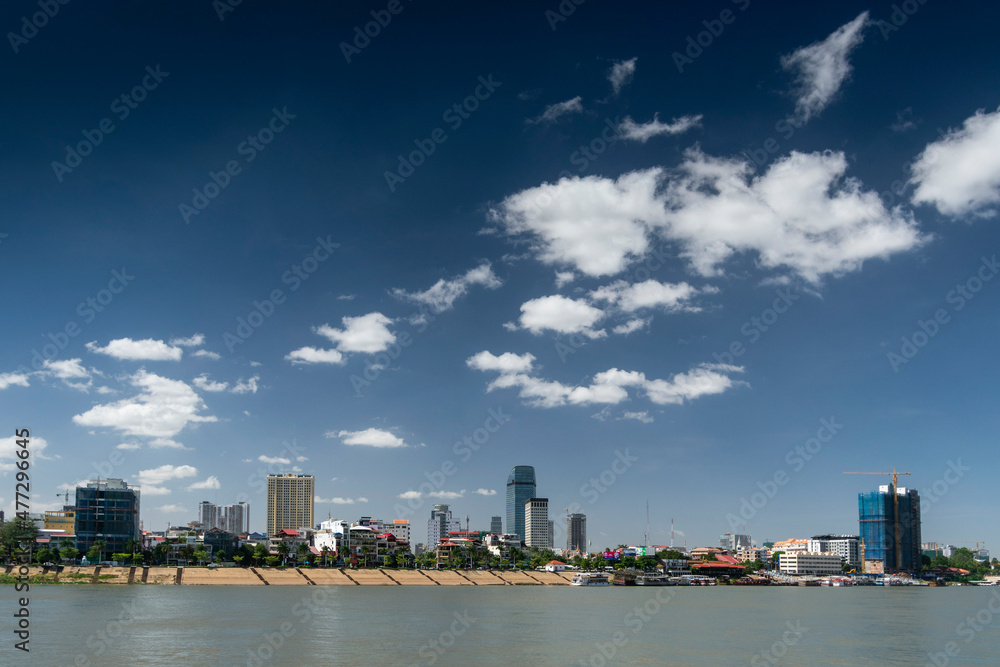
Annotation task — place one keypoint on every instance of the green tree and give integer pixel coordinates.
(43, 555)
(283, 551)
(14, 533)
(325, 551)
(302, 550)
(96, 552)
(260, 552)
(272, 560)
(238, 558)
(670, 554)
(200, 556)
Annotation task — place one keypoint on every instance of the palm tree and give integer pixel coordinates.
(325, 550)
(283, 551)
(302, 549)
(130, 547)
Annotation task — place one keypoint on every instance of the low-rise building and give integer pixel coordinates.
(803, 562)
(846, 546)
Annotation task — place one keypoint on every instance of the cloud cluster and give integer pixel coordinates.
(441, 296)
(554, 111)
(367, 333)
(146, 349)
(370, 437)
(621, 74)
(643, 132)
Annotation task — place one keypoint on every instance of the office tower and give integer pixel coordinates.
(536, 523)
(880, 515)
(440, 524)
(108, 511)
(289, 502)
(576, 532)
(236, 518)
(520, 489)
(496, 525)
(209, 515)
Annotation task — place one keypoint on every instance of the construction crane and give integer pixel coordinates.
(895, 511)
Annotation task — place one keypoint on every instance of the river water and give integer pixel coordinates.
(517, 625)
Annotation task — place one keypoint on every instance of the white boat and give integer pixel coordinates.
(590, 579)
(654, 580)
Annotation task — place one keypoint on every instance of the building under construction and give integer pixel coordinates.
(890, 529)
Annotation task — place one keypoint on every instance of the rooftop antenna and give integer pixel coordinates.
(645, 536)
(671, 532)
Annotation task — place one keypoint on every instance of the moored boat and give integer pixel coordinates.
(589, 579)
(653, 580)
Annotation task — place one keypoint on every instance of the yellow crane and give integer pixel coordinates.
(895, 511)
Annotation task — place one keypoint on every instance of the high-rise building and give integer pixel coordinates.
(845, 546)
(576, 532)
(209, 515)
(107, 511)
(536, 523)
(289, 502)
(880, 515)
(733, 543)
(440, 524)
(520, 489)
(236, 518)
(496, 525)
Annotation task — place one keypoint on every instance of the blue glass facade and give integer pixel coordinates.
(107, 511)
(877, 522)
(520, 489)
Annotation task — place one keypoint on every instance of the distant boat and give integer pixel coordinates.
(654, 580)
(589, 579)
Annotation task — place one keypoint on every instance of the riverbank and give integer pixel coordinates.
(268, 576)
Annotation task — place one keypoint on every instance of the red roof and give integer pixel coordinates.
(726, 558)
(716, 563)
(555, 562)
(289, 532)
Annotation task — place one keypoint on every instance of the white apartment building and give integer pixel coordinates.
(802, 562)
(846, 546)
(536, 523)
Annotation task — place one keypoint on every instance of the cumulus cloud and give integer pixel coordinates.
(960, 173)
(165, 443)
(174, 509)
(821, 68)
(411, 495)
(610, 387)
(12, 379)
(564, 278)
(194, 341)
(248, 387)
(562, 315)
(341, 501)
(638, 416)
(370, 437)
(648, 294)
(643, 132)
(554, 111)
(203, 383)
(447, 495)
(214, 356)
(128, 446)
(630, 327)
(486, 492)
(367, 333)
(506, 363)
(161, 409)
(312, 355)
(146, 349)
(621, 74)
(441, 296)
(9, 449)
(211, 483)
(165, 473)
(274, 460)
(70, 371)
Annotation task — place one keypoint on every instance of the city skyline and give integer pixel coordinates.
(708, 257)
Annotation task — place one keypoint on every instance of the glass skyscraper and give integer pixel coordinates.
(520, 489)
(878, 521)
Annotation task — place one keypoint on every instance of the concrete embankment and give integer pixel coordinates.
(261, 576)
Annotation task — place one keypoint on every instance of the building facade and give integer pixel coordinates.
(209, 515)
(880, 515)
(107, 511)
(236, 518)
(846, 546)
(536, 523)
(520, 489)
(576, 532)
(290, 502)
(496, 525)
(440, 524)
(802, 562)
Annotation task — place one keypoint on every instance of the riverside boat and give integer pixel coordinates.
(654, 580)
(589, 579)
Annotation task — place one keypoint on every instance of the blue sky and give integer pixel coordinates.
(661, 254)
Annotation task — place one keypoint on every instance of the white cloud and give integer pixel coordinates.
(821, 68)
(128, 446)
(647, 294)
(610, 387)
(211, 483)
(72, 487)
(254, 364)
(312, 355)
(203, 383)
(447, 495)
(341, 501)
(564, 278)
(638, 416)
(370, 437)
(152, 490)
(441, 296)
(592, 224)
(643, 132)
(346, 297)
(194, 341)
(11, 379)
(67, 369)
(367, 333)
(165, 443)
(146, 349)
(9, 448)
(554, 111)
(485, 492)
(166, 473)
(630, 327)
(248, 387)
(171, 508)
(162, 409)
(621, 73)
(274, 460)
(562, 315)
(960, 173)
(904, 121)
(214, 356)
(411, 495)
(506, 363)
